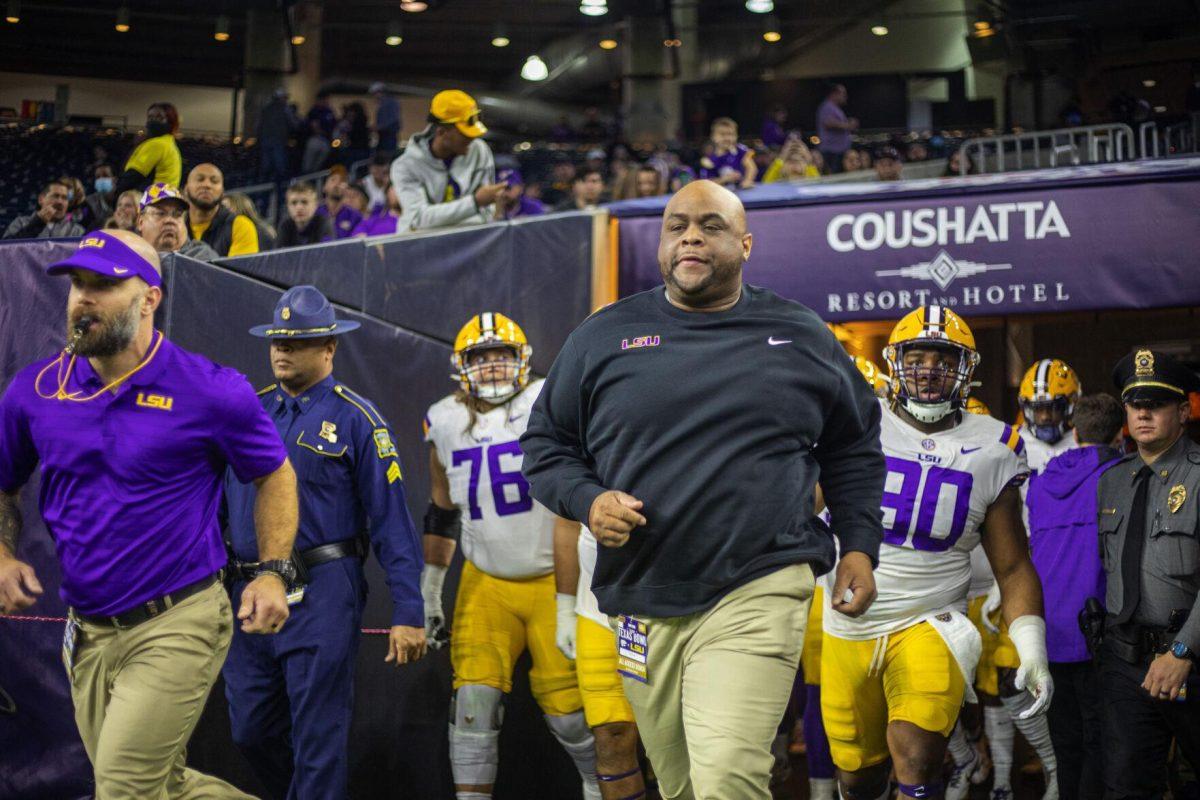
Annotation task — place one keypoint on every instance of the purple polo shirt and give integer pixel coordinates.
(832, 139)
(383, 225)
(714, 164)
(131, 481)
(344, 222)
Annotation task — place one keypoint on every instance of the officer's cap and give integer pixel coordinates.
(1146, 375)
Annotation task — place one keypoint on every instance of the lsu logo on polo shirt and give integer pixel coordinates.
(161, 402)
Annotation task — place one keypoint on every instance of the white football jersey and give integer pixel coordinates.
(586, 604)
(505, 532)
(938, 490)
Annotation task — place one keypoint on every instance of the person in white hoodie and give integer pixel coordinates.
(446, 176)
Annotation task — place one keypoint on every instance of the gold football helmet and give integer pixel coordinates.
(926, 389)
(1047, 397)
(976, 406)
(492, 380)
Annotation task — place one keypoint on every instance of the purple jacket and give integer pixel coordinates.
(1063, 539)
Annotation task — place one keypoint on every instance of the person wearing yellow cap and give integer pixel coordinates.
(447, 176)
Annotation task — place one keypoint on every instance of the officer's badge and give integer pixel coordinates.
(1143, 363)
(1176, 497)
(383, 444)
(328, 432)
(286, 314)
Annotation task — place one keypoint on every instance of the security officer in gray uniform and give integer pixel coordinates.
(1148, 525)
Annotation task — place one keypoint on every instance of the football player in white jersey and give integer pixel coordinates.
(1048, 394)
(585, 637)
(505, 601)
(893, 680)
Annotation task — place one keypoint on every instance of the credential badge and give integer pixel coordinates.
(1176, 498)
(1143, 362)
(328, 432)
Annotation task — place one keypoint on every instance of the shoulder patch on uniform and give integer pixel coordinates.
(359, 402)
(384, 446)
(268, 389)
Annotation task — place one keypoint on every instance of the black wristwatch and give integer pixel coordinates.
(1181, 650)
(282, 567)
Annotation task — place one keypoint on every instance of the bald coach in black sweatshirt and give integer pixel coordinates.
(687, 426)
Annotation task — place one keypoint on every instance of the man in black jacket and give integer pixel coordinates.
(210, 222)
(49, 221)
(687, 426)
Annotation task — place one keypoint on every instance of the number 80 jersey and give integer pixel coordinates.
(938, 490)
(505, 532)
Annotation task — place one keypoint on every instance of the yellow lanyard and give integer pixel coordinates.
(61, 393)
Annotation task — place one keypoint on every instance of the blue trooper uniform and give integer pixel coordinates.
(291, 695)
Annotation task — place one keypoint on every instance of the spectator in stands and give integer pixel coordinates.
(377, 181)
(562, 175)
(954, 164)
(728, 163)
(124, 216)
(446, 174)
(228, 233)
(385, 223)
(586, 192)
(273, 130)
(163, 223)
(795, 163)
(356, 198)
(156, 159)
(512, 202)
(387, 119)
(240, 203)
(303, 224)
(96, 207)
(320, 123)
(1064, 547)
(345, 217)
(851, 161)
(562, 131)
(597, 160)
(888, 164)
(649, 181)
(354, 134)
(681, 177)
(50, 220)
(75, 196)
(99, 157)
(774, 129)
(915, 152)
(834, 127)
(593, 130)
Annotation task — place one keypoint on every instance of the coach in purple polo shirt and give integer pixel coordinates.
(133, 436)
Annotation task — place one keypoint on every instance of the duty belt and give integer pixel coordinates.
(1138, 644)
(313, 557)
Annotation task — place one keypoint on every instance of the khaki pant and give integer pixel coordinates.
(719, 682)
(138, 694)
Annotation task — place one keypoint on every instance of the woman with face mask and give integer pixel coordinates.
(156, 159)
(96, 206)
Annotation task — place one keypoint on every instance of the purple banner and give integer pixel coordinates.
(1083, 248)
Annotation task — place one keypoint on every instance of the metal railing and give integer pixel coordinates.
(1180, 137)
(265, 196)
(1089, 144)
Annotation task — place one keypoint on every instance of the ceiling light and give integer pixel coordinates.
(879, 30)
(500, 36)
(298, 39)
(982, 25)
(983, 33)
(534, 69)
(222, 32)
(608, 44)
(1149, 83)
(13, 15)
(1160, 109)
(760, 6)
(414, 6)
(122, 25)
(672, 43)
(771, 30)
(394, 38)
(593, 10)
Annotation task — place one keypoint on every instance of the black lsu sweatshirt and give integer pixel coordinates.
(721, 424)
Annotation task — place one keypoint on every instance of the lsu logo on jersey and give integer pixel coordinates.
(161, 402)
(639, 342)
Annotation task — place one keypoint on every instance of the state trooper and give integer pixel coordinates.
(1148, 524)
(290, 698)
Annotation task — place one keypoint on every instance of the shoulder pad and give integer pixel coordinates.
(361, 403)
(268, 389)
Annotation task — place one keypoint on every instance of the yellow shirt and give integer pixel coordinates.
(245, 236)
(774, 172)
(158, 159)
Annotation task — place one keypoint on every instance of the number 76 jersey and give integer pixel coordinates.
(938, 490)
(505, 532)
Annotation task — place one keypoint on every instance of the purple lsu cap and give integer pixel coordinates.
(510, 176)
(107, 255)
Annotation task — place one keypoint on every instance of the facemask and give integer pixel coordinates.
(157, 128)
(103, 185)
